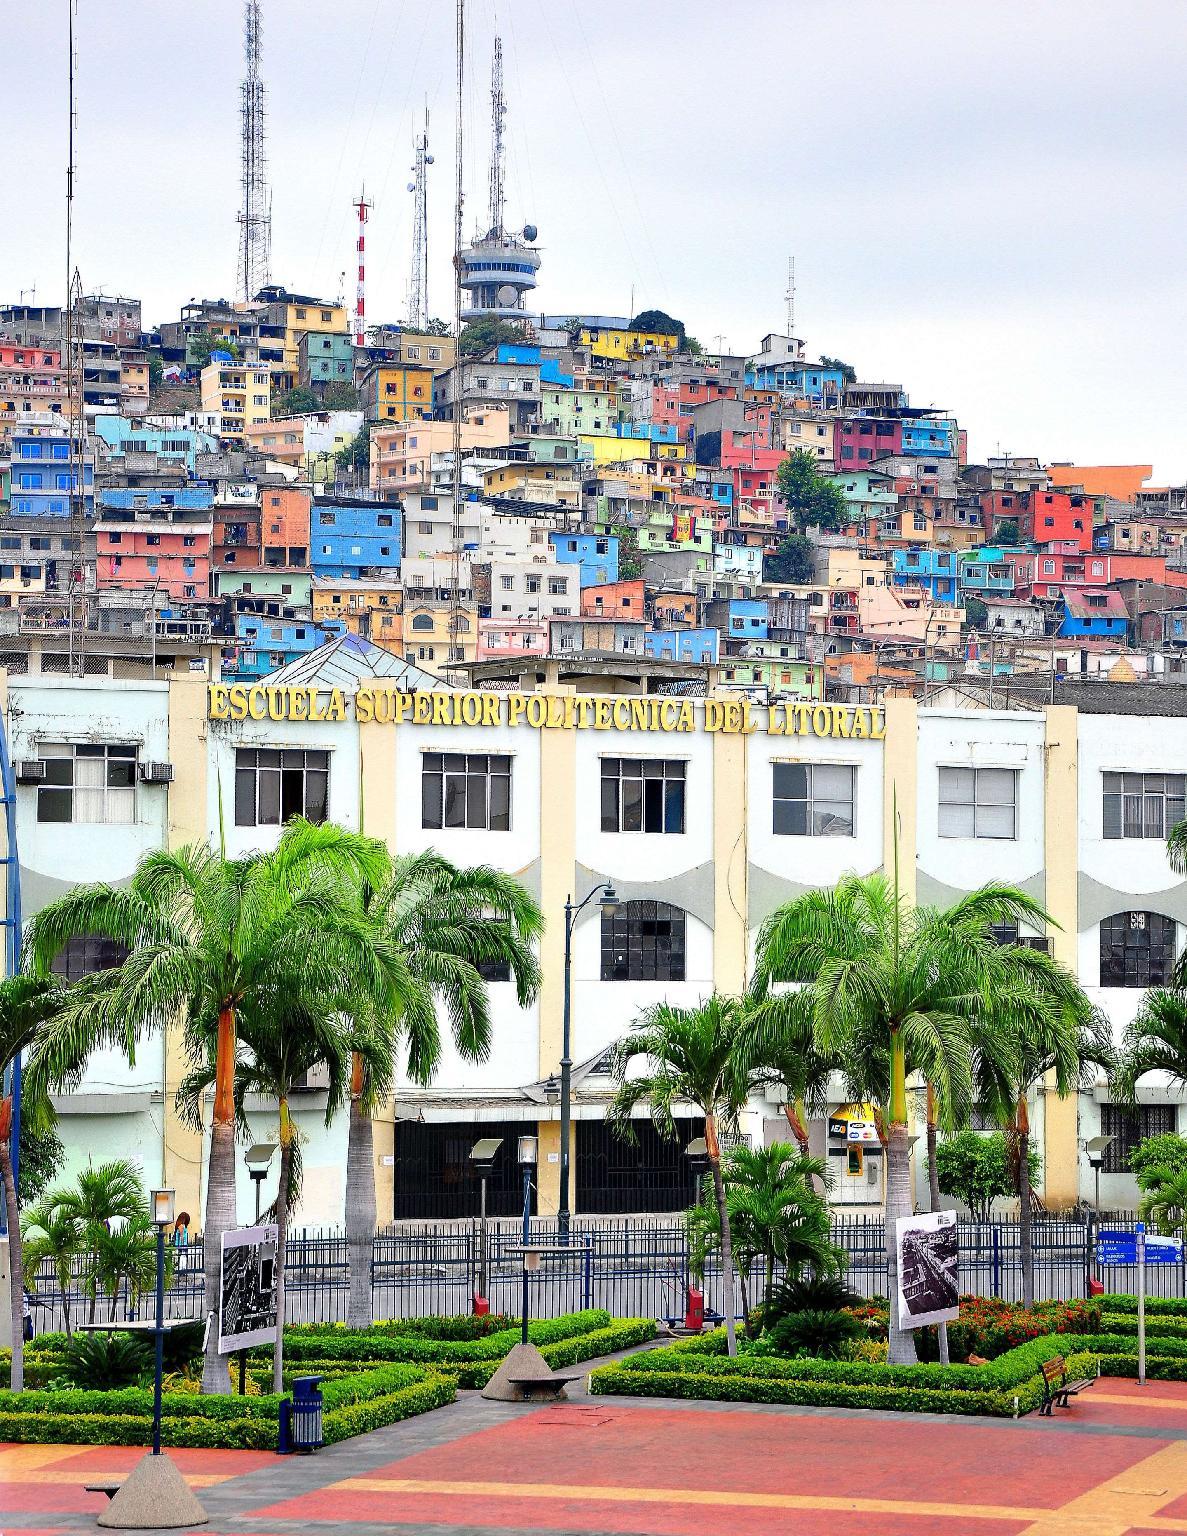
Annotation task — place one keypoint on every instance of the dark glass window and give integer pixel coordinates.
(1142, 804)
(273, 784)
(643, 941)
(87, 782)
(1129, 1126)
(466, 789)
(86, 954)
(642, 795)
(812, 799)
(1137, 949)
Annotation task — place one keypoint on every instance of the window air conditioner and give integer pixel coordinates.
(30, 770)
(316, 1080)
(156, 773)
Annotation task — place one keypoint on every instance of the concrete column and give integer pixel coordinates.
(730, 864)
(558, 854)
(182, 1150)
(900, 791)
(377, 818)
(1061, 1156)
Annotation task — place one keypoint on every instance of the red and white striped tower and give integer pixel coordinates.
(362, 208)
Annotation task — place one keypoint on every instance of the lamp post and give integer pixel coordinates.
(163, 1204)
(609, 903)
(482, 1158)
(527, 1161)
(258, 1158)
(1096, 1147)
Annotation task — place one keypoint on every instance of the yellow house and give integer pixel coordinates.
(848, 567)
(537, 482)
(614, 450)
(426, 632)
(397, 391)
(242, 395)
(294, 314)
(623, 346)
(372, 608)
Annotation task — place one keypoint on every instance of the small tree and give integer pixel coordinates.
(296, 402)
(793, 560)
(630, 566)
(812, 499)
(657, 322)
(481, 335)
(438, 327)
(1158, 1158)
(340, 396)
(976, 1170)
(1006, 531)
(848, 372)
(203, 343)
(357, 453)
(976, 614)
(51, 1233)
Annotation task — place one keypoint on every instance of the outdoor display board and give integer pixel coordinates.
(928, 1269)
(247, 1288)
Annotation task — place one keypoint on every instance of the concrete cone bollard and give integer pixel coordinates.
(153, 1497)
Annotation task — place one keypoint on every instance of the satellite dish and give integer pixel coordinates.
(507, 294)
(412, 186)
(429, 160)
(530, 231)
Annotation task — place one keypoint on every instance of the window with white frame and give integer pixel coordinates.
(978, 802)
(466, 789)
(1143, 804)
(273, 784)
(642, 794)
(812, 799)
(87, 782)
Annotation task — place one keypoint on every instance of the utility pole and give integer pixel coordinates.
(362, 207)
(255, 215)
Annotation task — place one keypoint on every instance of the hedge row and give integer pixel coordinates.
(1167, 1306)
(1010, 1384)
(313, 1343)
(619, 1333)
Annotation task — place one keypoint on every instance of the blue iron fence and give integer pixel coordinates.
(633, 1266)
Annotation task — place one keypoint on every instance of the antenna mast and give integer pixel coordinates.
(455, 562)
(418, 281)
(255, 217)
(498, 112)
(362, 208)
(790, 295)
(72, 358)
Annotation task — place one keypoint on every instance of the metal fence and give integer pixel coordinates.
(632, 1266)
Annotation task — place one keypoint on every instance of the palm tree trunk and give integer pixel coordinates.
(1025, 1214)
(283, 1201)
(66, 1319)
(16, 1260)
(769, 1286)
(360, 1202)
(795, 1119)
(220, 1196)
(728, 1305)
(901, 1349)
(933, 1173)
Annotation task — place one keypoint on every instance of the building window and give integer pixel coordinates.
(1143, 804)
(978, 802)
(642, 795)
(812, 799)
(1129, 1127)
(87, 782)
(1137, 949)
(85, 955)
(643, 941)
(273, 784)
(466, 789)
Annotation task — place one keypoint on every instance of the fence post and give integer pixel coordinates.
(587, 1279)
(997, 1262)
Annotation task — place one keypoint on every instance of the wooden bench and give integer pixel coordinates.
(551, 1386)
(1056, 1387)
(108, 1485)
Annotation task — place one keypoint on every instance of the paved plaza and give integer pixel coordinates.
(1116, 1465)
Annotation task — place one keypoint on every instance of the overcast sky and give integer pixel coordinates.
(985, 199)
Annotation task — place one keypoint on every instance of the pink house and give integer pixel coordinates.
(499, 639)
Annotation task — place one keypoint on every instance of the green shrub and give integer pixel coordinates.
(811, 1293)
(105, 1361)
(820, 1334)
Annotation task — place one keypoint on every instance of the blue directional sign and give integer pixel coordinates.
(1114, 1247)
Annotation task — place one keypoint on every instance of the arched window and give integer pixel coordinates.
(1137, 949)
(643, 941)
(422, 621)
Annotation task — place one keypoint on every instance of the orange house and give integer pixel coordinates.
(613, 600)
(1120, 481)
(284, 525)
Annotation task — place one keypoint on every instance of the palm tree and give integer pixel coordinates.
(1054, 1031)
(895, 989)
(207, 936)
(27, 1007)
(782, 1049)
(775, 1213)
(126, 1254)
(1164, 1203)
(51, 1234)
(446, 922)
(102, 1200)
(692, 1056)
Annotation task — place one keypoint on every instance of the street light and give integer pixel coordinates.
(609, 903)
(163, 1210)
(482, 1159)
(527, 1151)
(1096, 1147)
(258, 1158)
(697, 1153)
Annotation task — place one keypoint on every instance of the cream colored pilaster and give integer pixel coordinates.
(377, 818)
(182, 1154)
(558, 854)
(900, 791)
(1061, 1156)
(730, 863)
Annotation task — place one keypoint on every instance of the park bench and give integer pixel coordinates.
(108, 1485)
(541, 1386)
(1056, 1387)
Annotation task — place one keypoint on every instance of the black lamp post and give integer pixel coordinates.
(162, 1215)
(609, 903)
(527, 1161)
(1096, 1147)
(258, 1158)
(482, 1160)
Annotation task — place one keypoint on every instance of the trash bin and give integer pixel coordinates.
(300, 1417)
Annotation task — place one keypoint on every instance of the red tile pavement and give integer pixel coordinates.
(37, 1479)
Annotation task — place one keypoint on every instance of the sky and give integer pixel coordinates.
(985, 199)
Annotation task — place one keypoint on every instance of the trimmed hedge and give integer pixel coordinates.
(620, 1333)
(311, 1343)
(1010, 1384)
(1168, 1306)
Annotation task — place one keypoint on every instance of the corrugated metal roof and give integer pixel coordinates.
(350, 660)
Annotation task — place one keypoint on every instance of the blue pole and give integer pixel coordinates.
(13, 930)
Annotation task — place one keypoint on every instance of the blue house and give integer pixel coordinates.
(745, 618)
(934, 569)
(1097, 615)
(550, 369)
(41, 478)
(268, 644)
(806, 381)
(595, 553)
(986, 572)
(682, 644)
(134, 498)
(930, 438)
(178, 445)
(353, 537)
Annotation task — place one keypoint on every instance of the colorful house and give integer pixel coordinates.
(595, 553)
(1102, 615)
